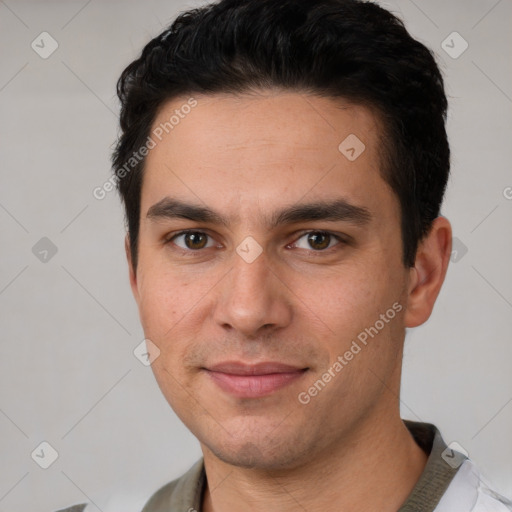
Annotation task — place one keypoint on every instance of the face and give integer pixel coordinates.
(270, 273)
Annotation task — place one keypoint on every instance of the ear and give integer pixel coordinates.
(428, 273)
(132, 271)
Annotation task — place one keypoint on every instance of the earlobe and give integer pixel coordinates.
(429, 272)
(131, 270)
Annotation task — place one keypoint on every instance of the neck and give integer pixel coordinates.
(373, 468)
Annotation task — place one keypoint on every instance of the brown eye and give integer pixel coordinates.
(192, 240)
(195, 240)
(318, 240)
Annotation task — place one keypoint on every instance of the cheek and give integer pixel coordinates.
(164, 300)
(173, 307)
(349, 303)
(342, 299)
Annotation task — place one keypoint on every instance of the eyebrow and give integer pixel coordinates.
(337, 210)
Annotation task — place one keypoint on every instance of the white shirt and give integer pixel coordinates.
(468, 493)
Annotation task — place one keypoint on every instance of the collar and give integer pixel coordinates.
(442, 466)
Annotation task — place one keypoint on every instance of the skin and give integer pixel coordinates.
(246, 157)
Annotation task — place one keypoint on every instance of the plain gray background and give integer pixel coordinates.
(68, 375)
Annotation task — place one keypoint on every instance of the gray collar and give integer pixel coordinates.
(442, 465)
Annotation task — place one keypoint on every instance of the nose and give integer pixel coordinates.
(253, 300)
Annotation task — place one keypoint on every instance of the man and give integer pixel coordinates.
(282, 167)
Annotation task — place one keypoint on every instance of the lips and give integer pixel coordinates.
(253, 380)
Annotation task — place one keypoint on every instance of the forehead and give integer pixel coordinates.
(255, 151)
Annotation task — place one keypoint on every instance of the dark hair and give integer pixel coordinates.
(335, 48)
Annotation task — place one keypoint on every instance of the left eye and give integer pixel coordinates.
(316, 240)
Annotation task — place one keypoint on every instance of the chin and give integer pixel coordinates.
(260, 455)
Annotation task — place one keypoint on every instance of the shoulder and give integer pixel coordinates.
(184, 493)
(468, 491)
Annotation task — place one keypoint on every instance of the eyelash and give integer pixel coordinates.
(340, 241)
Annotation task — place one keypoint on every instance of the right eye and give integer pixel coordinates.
(192, 240)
